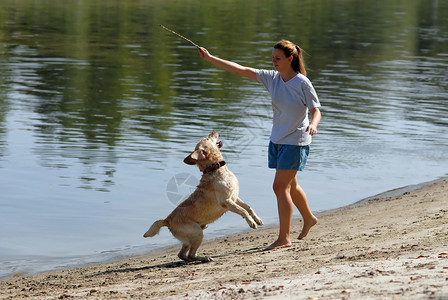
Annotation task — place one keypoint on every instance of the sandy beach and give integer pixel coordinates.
(385, 247)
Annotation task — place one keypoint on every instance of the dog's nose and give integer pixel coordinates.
(219, 144)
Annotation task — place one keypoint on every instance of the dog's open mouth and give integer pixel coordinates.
(219, 144)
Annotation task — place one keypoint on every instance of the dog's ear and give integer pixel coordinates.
(213, 135)
(192, 158)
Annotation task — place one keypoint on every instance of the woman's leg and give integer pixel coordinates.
(289, 193)
(299, 199)
(282, 189)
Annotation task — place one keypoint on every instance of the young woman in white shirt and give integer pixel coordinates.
(293, 98)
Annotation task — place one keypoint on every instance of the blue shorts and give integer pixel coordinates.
(287, 157)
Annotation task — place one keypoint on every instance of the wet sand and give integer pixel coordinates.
(393, 246)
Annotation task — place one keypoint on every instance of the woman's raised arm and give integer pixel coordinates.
(228, 65)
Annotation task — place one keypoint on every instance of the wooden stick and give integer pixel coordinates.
(182, 37)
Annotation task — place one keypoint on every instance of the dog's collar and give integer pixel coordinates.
(214, 167)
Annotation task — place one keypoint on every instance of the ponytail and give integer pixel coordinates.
(300, 65)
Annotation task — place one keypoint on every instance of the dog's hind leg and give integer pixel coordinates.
(250, 211)
(196, 241)
(233, 207)
(183, 253)
(182, 234)
(191, 236)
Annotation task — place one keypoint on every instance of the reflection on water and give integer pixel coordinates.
(98, 107)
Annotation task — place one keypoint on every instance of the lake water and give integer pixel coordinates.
(99, 106)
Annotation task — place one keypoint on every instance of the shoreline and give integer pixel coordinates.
(164, 248)
(390, 245)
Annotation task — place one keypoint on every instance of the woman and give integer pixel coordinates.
(293, 97)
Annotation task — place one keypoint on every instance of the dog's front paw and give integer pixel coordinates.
(252, 224)
(258, 221)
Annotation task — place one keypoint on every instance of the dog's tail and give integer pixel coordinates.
(154, 229)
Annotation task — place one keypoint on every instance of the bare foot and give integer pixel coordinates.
(278, 245)
(306, 227)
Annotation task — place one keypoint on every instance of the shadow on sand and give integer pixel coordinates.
(176, 264)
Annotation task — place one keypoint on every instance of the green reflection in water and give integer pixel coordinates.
(99, 70)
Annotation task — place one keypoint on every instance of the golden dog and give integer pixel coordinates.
(216, 194)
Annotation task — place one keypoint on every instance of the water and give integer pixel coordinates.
(99, 106)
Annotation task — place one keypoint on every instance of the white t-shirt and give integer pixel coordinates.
(291, 101)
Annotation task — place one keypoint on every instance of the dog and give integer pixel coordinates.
(216, 194)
